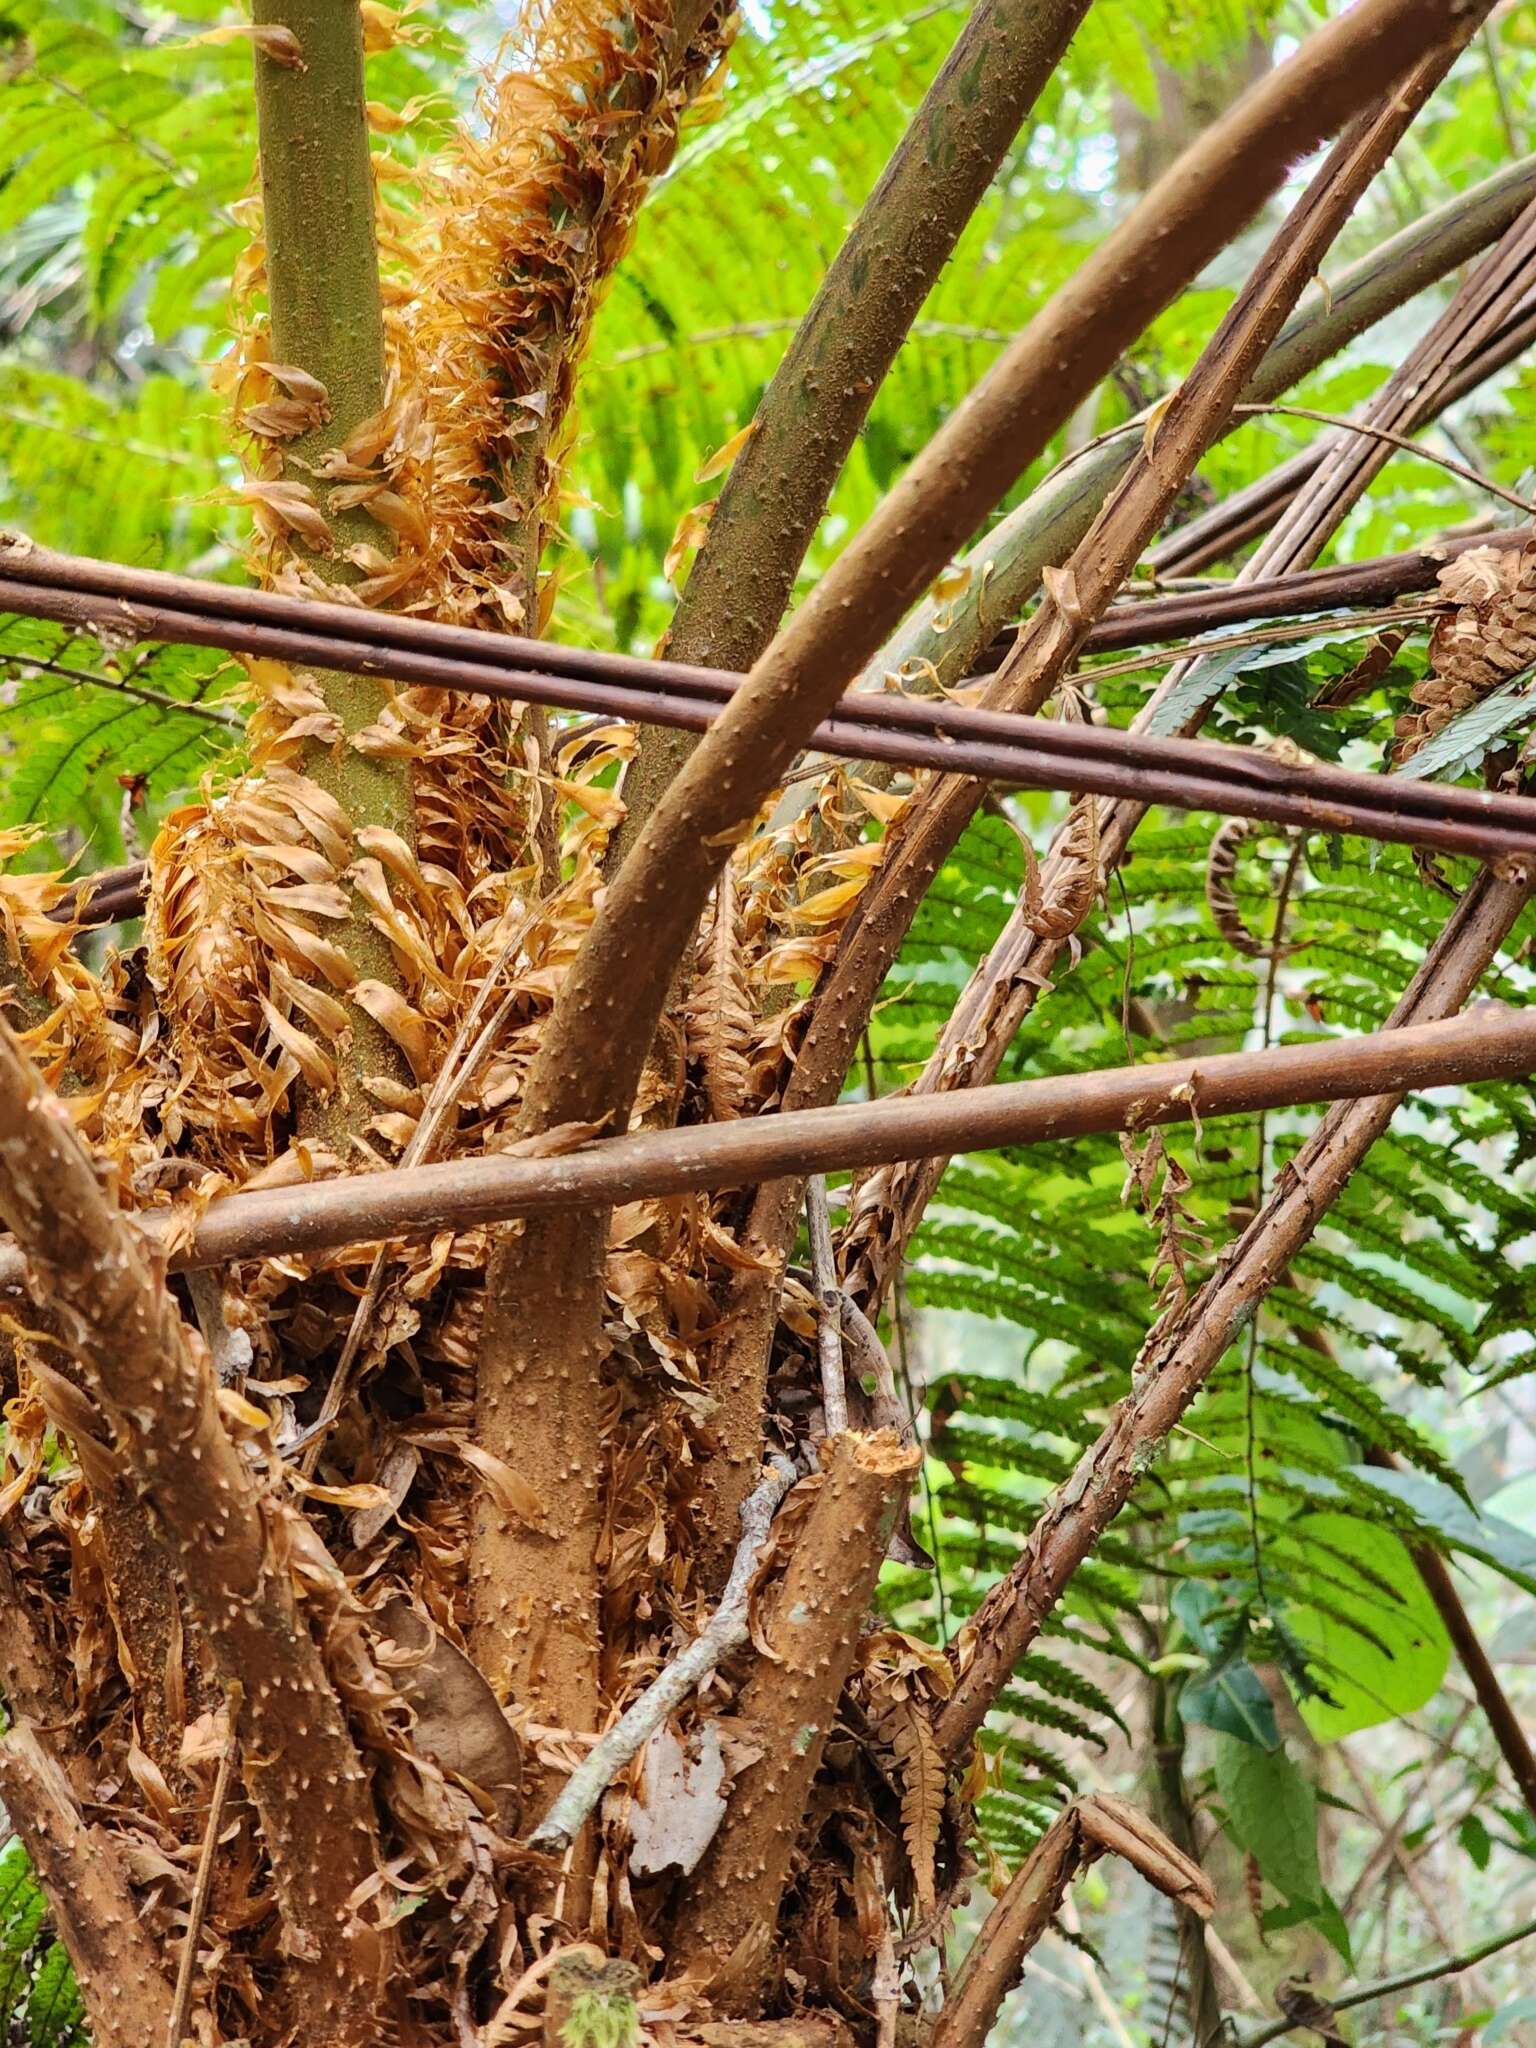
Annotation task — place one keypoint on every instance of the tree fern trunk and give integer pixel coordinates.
(327, 319)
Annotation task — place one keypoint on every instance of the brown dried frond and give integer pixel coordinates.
(1220, 890)
(532, 215)
(1058, 914)
(1221, 887)
(924, 1788)
(1489, 637)
(1157, 1183)
(85, 1032)
(802, 876)
(719, 1013)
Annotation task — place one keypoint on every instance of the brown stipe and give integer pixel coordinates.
(995, 746)
(1488, 1043)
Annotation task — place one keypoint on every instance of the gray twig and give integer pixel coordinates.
(829, 1307)
(202, 1884)
(229, 1350)
(1383, 1987)
(726, 1629)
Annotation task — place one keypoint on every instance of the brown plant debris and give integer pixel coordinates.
(1489, 637)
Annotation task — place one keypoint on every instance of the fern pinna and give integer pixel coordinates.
(1267, 1505)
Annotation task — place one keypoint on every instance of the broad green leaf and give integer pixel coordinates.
(1235, 1704)
(1272, 1813)
(1378, 1657)
(1228, 1695)
(1475, 1839)
(1507, 2017)
(1324, 1915)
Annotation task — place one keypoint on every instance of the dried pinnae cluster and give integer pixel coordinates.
(1489, 637)
(526, 226)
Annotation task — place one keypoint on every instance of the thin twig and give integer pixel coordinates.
(1404, 1980)
(829, 1307)
(120, 686)
(930, 1506)
(202, 1886)
(725, 1631)
(1500, 89)
(1098, 1997)
(1407, 1864)
(1409, 447)
(1277, 952)
(885, 1990)
(539, 1177)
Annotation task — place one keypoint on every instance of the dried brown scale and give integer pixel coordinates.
(1489, 637)
(1071, 902)
(530, 219)
(720, 1014)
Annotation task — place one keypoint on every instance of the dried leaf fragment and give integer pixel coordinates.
(271, 38)
(682, 1802)
(718, 463)
(459, 1722)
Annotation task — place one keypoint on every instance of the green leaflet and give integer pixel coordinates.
(1475, 1839)
(1367, 1684)
(37, 1986)
(1449, 1521)
(1459, 747)
(1039, 1238)
(1213, 672)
